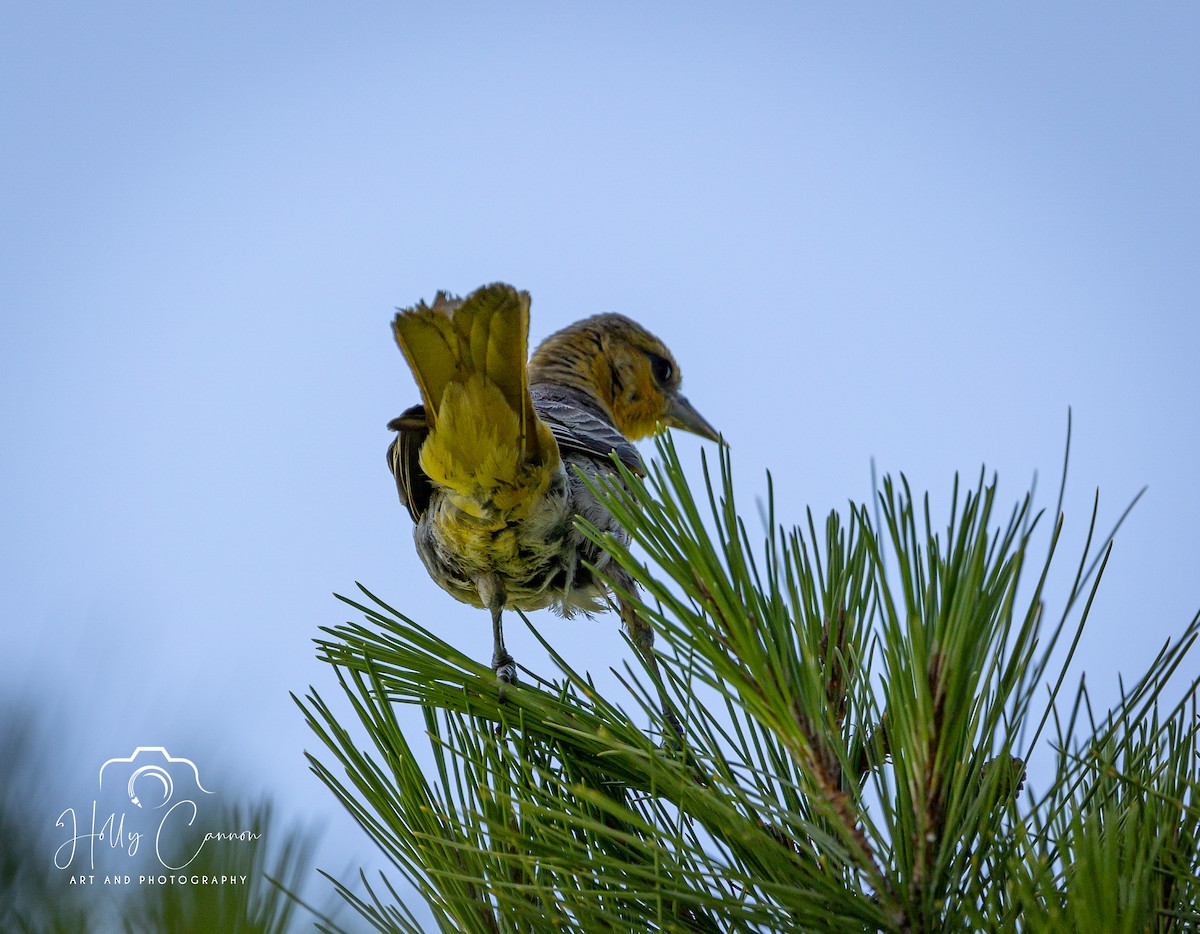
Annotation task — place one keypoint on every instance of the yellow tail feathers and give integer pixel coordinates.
(469, 360)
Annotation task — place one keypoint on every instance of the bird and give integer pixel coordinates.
(493, 464)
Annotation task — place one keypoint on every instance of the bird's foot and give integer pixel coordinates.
(673, 737)
(506, 671)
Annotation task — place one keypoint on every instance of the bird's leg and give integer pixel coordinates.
(641, 634)
(491, 592)
(502, 662)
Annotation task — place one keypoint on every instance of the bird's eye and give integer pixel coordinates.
(662, 368)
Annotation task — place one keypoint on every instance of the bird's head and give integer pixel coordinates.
(624, 367)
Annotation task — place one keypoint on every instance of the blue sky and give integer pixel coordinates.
(909, 234)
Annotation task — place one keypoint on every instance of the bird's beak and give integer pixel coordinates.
(680, 414)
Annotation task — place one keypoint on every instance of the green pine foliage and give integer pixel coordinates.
(859, 700)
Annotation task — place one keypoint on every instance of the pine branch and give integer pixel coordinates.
(856, 702)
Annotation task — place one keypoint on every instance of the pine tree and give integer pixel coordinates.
(859, 698)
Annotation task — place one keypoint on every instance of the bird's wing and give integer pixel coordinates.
(579, 429)
(414, 487)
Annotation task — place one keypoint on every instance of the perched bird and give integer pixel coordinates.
(489, 464)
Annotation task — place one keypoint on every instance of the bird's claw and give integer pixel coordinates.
(506, 671)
